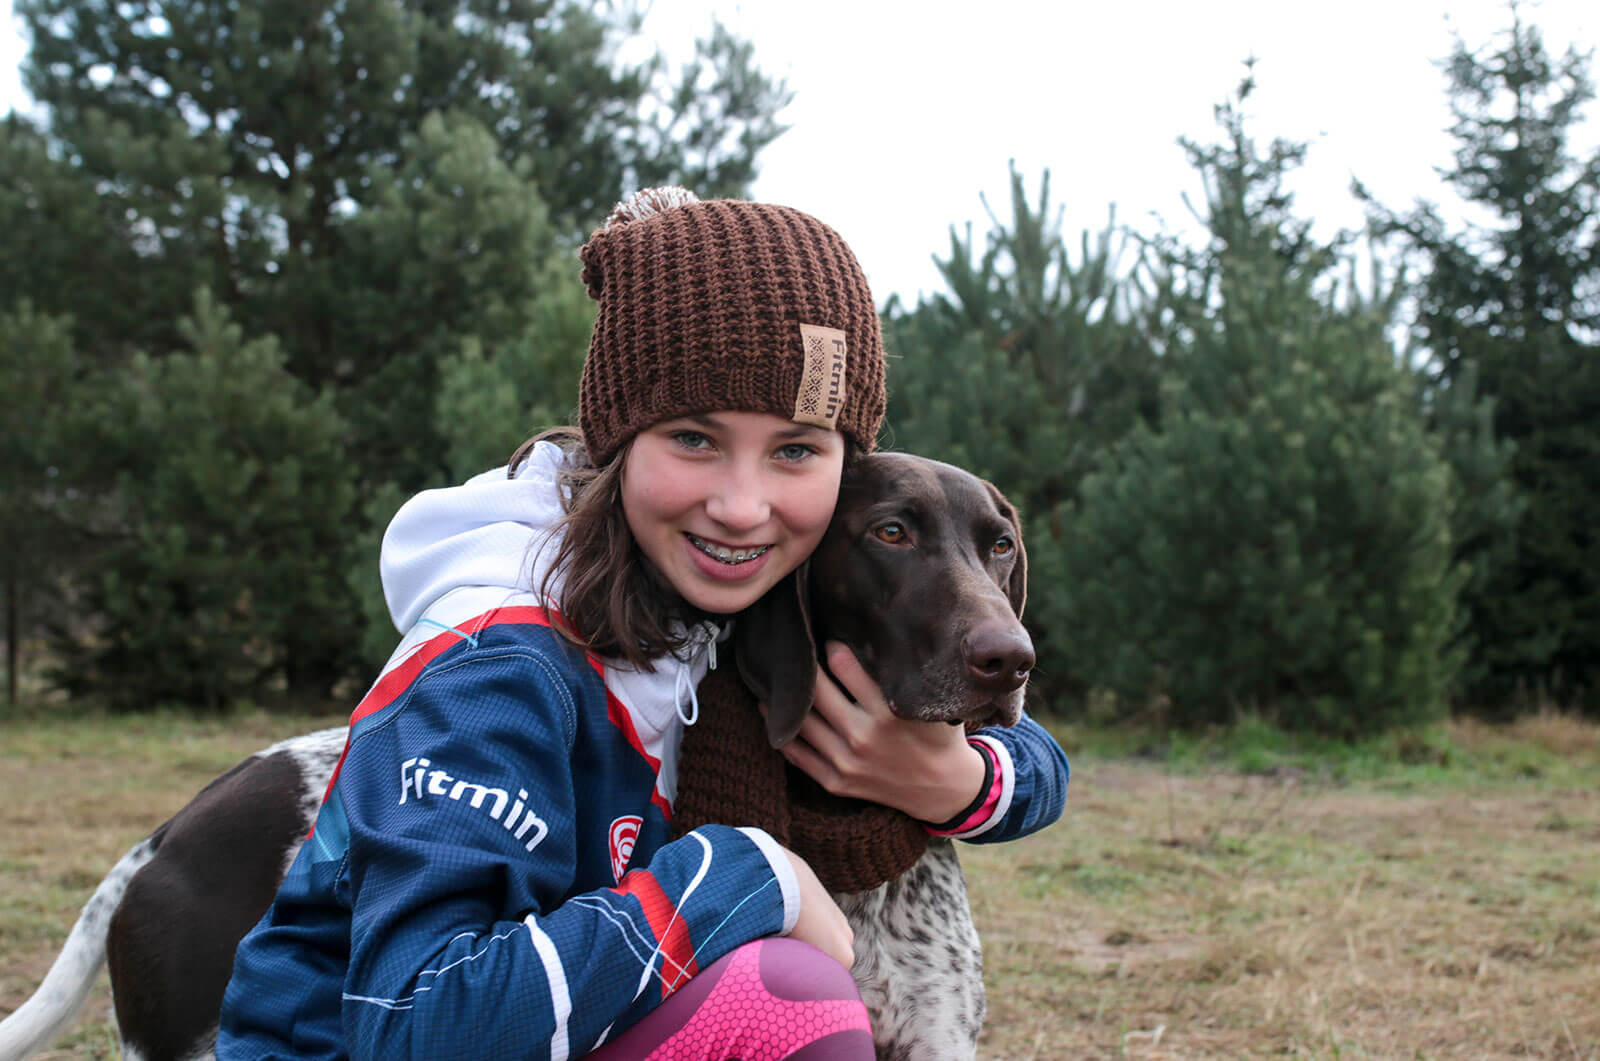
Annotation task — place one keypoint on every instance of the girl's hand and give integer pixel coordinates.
(821, 923)
(863, 750)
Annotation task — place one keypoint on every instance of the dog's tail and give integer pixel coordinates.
(46, 1014)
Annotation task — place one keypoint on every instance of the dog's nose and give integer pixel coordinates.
(999, 656)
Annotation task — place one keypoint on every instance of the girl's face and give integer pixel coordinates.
(726, 504)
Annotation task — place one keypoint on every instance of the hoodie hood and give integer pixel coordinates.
(491, 540)
(491, 531)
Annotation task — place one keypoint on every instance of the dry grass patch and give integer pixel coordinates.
(1168, 915)
(1549, 730)
(1227, 916)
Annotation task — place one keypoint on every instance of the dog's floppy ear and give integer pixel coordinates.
(1017, 585)
(777, 656)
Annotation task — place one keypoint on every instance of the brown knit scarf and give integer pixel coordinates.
(729, 775)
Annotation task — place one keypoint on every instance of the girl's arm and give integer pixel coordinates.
(469, 934)
(1000, 784)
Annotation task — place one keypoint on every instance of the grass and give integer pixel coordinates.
(1241, 895)
(1428, 895)
(1549, 748)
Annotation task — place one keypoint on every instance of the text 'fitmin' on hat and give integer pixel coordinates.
(725, 304)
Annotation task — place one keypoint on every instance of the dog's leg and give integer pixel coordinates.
(919, 963)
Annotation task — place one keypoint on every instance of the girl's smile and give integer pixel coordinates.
(729, 563)
(725, 504)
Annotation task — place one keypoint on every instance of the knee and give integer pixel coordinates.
(799, 972)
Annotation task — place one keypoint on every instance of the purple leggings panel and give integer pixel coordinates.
(766, 1001)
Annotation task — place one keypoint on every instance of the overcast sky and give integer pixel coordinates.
(904, 112)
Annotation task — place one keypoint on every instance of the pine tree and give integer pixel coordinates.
(212, 581)
(1029, 366)
(1512, 306)
(383, 198)
(1484, 519)
(63, 241)
(40, 514)
(451, 249)
(253, 147)
(1278, 544)
(489, 402)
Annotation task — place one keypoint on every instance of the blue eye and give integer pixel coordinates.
(796, 451)
(691, 439)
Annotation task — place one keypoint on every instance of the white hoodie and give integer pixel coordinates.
(454, 554)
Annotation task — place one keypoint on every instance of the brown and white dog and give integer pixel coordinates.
(934, 616)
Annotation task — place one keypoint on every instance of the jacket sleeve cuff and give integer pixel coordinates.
(782, 869)
(993, 799)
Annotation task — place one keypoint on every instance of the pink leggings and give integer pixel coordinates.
(768, 1000)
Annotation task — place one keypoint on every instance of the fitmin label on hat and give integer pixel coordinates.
(822, 385)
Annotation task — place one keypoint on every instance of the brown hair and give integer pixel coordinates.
(610, 602)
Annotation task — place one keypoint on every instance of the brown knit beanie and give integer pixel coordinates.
(725, 304)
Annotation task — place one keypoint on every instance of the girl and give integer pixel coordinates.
(492, 872)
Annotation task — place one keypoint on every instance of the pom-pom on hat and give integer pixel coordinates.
(725, 304)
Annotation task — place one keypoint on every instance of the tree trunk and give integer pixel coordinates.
(13, 626)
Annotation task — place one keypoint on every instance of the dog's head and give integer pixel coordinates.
(922, 573)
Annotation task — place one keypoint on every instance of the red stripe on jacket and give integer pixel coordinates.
(671, 931)
(387, 689)
(618, 714)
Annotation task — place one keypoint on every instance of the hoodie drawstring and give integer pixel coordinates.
(685, 676)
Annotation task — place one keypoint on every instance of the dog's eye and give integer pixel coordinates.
(1002, 547)
(892, 533)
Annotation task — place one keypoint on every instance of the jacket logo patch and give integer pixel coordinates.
(624, 831)
(822, 383)
(418, 781)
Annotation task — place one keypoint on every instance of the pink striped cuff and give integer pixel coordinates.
(982, 808)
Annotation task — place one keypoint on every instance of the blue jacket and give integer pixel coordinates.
(459, 895)
(491, 873)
